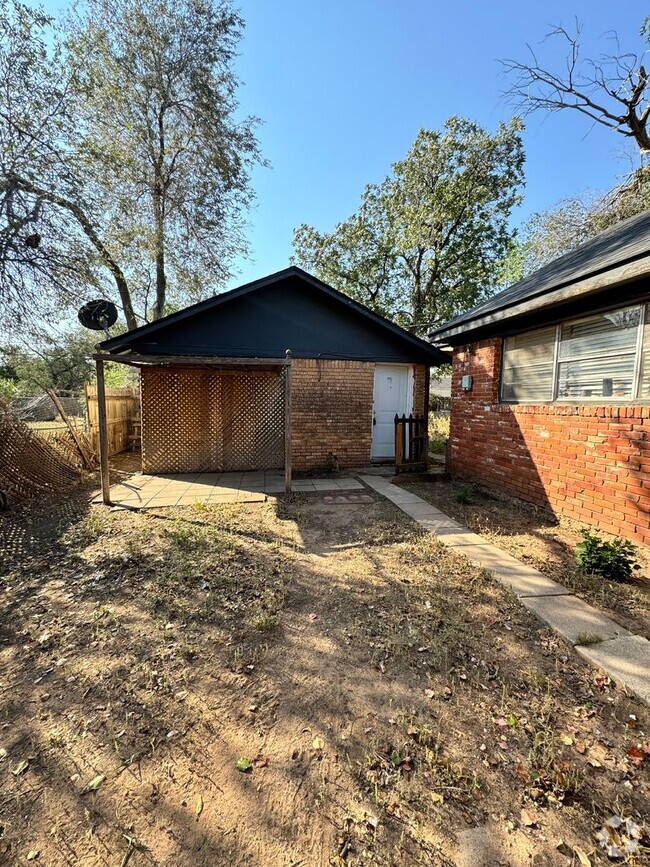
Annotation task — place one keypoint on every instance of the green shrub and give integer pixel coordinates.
(612, 560)
(463, 494)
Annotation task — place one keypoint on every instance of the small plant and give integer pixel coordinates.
(267, 621)
(584, 639)
(614, 561)
(463, 494)
(331, 464)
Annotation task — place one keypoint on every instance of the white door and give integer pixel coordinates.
(393, 394)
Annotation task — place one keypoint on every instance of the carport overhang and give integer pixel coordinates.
(135, 359)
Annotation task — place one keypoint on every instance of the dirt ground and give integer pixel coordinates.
(547, 543)
(292, 684)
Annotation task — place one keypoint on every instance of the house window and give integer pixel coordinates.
(606, 356)
(528, 366)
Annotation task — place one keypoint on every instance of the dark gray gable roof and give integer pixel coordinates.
(139, 336)
(622, 243)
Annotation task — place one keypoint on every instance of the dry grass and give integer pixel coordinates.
(438, 433)
(537, 538)
(384, 695)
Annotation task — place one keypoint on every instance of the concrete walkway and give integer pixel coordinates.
(624, 656)
(141, 491)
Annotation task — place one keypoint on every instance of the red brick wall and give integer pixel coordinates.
(331, 411)
(590, 463)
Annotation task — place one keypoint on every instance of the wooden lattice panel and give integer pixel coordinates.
(211, 420)
(30, 466)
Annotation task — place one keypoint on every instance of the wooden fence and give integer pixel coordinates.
(122, 418)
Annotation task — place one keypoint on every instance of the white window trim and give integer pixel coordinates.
(636, 353)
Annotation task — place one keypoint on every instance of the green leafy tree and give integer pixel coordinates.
(125, 167)
(573, 221)
(62, 365)
(426, 243)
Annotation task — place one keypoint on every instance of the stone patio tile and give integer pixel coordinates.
(325, 485)
(229, 485)
(160, 502)
(251, 497)
(571, 617)
(274, 488)
(348, 484)
(302, 485)
(255, 488)
(215, 499)
(626, 659)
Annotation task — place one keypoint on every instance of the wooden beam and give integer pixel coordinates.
(103, 432)
(287, 426)
(427, 398)
(85, 456)
(191, 360)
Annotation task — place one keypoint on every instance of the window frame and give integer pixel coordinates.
(636, 354)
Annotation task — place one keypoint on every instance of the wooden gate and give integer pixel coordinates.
(411, 444)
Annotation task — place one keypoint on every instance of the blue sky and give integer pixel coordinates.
(343, 87)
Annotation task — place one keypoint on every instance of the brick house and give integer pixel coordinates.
(551, 385)
(220, 393)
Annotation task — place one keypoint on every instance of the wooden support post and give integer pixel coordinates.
(427, 400)
(103, 433)
(287, 425)
(76, 436)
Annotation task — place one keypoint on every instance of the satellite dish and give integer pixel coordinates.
(98, 315)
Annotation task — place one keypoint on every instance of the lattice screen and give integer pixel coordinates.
(30, 466)
(211, 420)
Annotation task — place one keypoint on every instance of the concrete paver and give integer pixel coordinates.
(625, 657)
(572, 617)
(142, 491)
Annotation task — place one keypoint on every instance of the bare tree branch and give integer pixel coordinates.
(612, 91)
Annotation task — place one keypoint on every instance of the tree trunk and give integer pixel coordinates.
(161, 279)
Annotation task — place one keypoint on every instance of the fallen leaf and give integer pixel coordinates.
(20, 768)
(636, 755)
(312, 617)
(566, 739)
(199, 806)
(563, 847)
(243, 765)
(528, 818)
(94, 784)
(261, 761)
(318, 744)
(437, 798)
(583, 858)
(33, 854)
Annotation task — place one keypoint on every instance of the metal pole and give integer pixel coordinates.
(103, 433)
(287, 425)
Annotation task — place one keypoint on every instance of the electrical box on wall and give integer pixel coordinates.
(466, 382)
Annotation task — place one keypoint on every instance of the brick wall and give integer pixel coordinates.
(590, 463)
(419, 388)
(331, 411)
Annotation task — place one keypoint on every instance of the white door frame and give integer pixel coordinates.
(409, 400)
